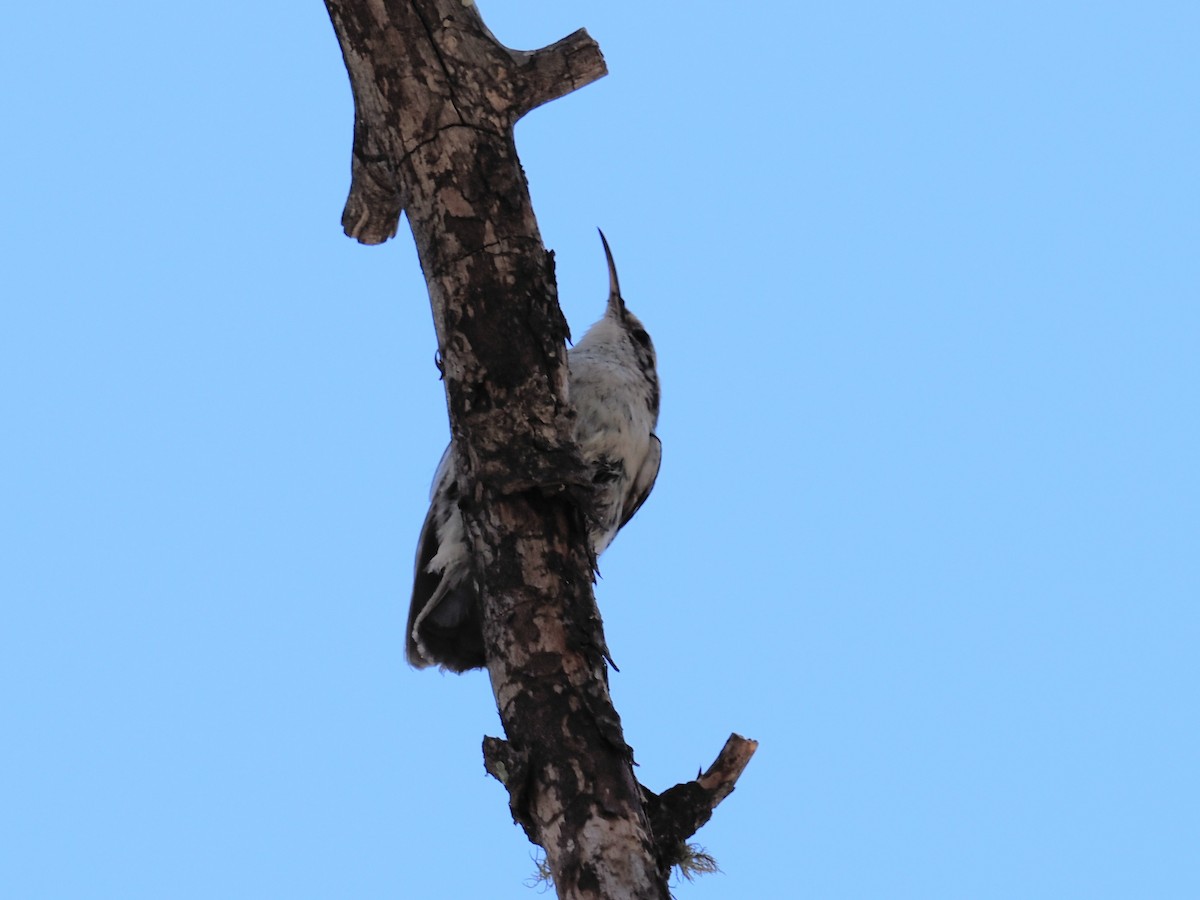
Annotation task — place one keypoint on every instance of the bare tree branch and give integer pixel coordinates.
(436, 98)
(679, 812)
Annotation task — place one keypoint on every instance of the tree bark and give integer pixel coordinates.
(436, 98)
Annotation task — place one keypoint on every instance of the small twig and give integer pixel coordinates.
(679, 812)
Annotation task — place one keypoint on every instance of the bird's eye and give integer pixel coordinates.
(639, 335)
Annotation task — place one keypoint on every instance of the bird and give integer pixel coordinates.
(614, 389)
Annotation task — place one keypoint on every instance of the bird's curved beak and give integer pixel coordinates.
(616, 306)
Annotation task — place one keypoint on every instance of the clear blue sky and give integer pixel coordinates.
(925, 283)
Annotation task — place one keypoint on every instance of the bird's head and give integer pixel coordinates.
(619, 325)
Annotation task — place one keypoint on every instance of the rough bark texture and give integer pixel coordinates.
(436, 98)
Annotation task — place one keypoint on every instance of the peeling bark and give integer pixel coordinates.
(436, 98)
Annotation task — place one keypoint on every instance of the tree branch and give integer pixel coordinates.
(436, 98)
(679, 812)
(555, 71)
(419, 67)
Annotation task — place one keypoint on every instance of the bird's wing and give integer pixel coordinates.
(643, 481)
(425, 584)
(444, 470)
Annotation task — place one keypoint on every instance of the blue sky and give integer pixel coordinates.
(923, 280)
